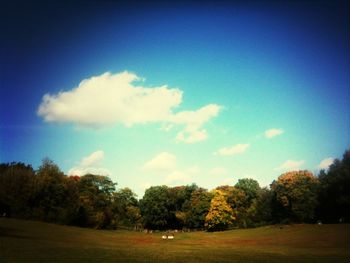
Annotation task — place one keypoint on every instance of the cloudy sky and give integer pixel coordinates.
(165, 93)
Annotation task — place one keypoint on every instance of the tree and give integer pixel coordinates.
(248, 211)
(155, 207)
(16, 189)
(95, 199)
(125, 207)
(334, 198)
(236, 198)
(263, 215)
(199, 205)
(295, 194)
(250, 187)
(220, 215)
(51, 193)
(179, 204)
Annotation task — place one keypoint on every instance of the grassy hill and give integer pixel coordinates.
(28, 241)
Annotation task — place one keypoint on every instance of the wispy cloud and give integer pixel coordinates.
(163, 162)
(325, 163)
(273, 133)
(109, 98)
(290, 165)
(236, 149)
(90, 164)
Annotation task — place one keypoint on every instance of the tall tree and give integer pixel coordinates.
(125, 207)
(250, 187)
(296, 194)
(51, 192)
(334, 199)
(199, 205)
(17, 189)
(95, 197)
(220, 215)
(155, 208)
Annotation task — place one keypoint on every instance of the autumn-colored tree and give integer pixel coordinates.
(220, 215)
(236, 198)
(296, 194)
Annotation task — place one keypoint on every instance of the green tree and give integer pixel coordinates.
(125, 208)
(220, 215)
(95, 198)
(250, 187)
(155, 208)
(296, 194)
(51, 193)
(334, 198)
(17, 189)
(199, 205)
(263, 214)
(179, 205)
(248, 211)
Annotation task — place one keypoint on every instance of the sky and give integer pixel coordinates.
(175, 92)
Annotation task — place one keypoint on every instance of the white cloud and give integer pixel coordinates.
(115, 98)
(290, 165)
(273, 132)
(236, 149)
(217, 171)
(191, 136)
(324, 164)
(80, 171)
(90, 164)
(163, 162)
(93, 158)
(165, 165)
(179, 177)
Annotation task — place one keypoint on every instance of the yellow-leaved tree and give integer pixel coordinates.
(220, 214)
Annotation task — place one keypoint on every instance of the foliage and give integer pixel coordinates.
(126, 208)
(220, 215)
(17, 189)
(198, 208)
(250, 187)
(296, 195)
(155, 207)
(334, 198)
(47, 194)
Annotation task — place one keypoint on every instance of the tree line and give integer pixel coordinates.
(47, 194)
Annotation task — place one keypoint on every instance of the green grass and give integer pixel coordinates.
(28, 241)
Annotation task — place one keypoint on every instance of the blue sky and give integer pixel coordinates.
(175, 93)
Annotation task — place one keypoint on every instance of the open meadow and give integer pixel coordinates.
(30, 241)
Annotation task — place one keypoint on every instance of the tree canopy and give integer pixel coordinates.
(47, 194)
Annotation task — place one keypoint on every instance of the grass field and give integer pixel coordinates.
(28, 241)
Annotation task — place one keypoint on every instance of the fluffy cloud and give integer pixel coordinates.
(290, 165)
(163, 162)
(324, 164)
(236, 149)
(273, 132)
(115, 98)
(90, 164)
